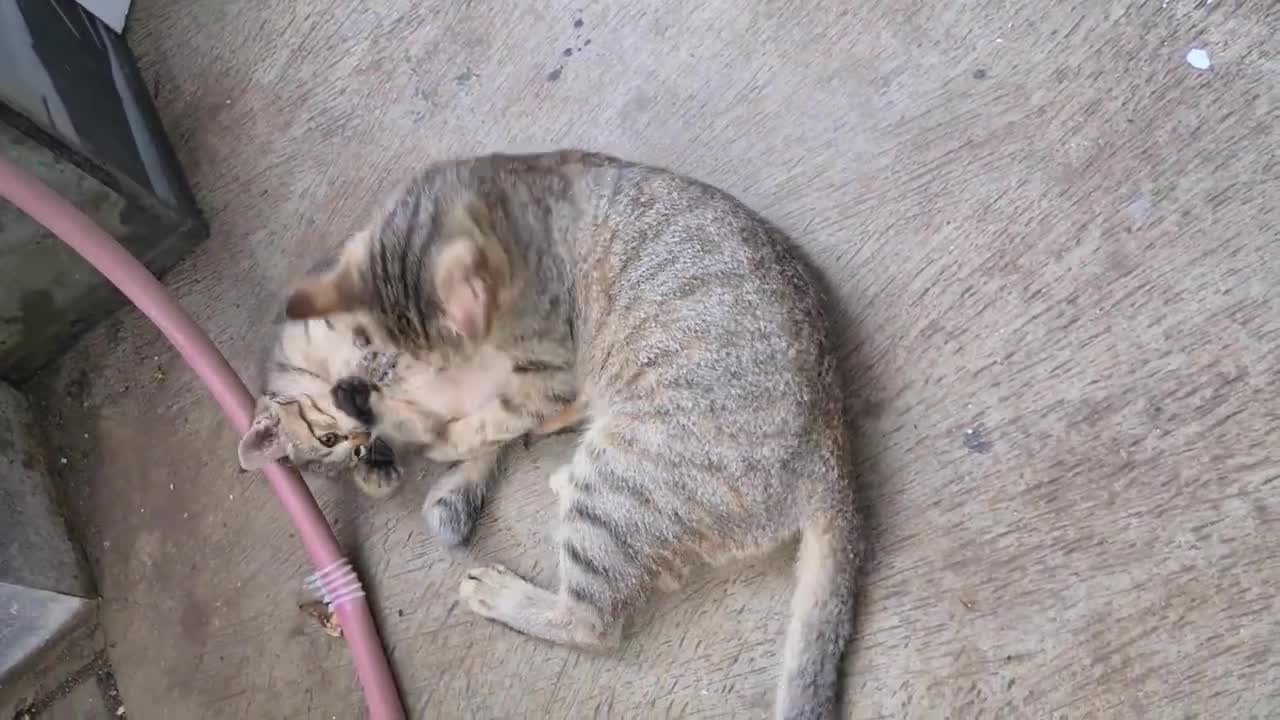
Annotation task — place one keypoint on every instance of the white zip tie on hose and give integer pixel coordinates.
(336, 583)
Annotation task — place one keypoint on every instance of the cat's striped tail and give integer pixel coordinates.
(821, 624)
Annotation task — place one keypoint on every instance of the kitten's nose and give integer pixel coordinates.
(380, 453)
(359, 444)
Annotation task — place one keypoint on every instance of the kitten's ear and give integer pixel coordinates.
(332, 286)
(472, 273)
(263, 444)
(466, 288)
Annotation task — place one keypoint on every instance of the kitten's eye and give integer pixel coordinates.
(362, 338)
(329, 439)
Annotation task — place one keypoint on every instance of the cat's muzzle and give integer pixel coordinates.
(376, 454)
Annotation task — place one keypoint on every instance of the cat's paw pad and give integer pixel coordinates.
(451, 517)
(486, 590)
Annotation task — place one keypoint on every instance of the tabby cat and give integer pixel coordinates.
(694, 341)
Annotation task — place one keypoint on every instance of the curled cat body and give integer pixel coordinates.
(685, 333)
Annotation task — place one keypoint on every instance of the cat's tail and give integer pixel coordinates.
(821, 618)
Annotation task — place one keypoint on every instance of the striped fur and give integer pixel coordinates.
(695, 343)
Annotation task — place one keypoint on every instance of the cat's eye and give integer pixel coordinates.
(329, 439)
(361, 338)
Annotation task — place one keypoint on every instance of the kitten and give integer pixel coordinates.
(296, 417)
(695, 342)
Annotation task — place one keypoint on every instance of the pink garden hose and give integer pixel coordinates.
(334, 576)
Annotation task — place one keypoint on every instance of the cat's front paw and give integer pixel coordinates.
(488, 591)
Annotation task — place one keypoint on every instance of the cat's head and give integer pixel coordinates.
(300, 418)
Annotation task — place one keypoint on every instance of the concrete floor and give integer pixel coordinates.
(1057, 249)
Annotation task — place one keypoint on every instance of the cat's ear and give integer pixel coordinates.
(466, 288)
(472, 273)
(334, 285)
(263, 444)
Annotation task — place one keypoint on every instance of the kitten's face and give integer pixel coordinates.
(319, 438)
(301, 419)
